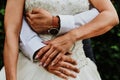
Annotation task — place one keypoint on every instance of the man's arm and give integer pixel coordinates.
(30, 42)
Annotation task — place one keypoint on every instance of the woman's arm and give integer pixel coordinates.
(106, 20)
(13, 20)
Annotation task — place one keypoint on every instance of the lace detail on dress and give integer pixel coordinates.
(58, 6)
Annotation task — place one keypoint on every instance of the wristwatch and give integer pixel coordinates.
(56, 25)
(53, 31)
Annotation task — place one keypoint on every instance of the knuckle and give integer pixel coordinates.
(54, 47)
(32, 23)
(50, 57)
(63, 51)
(67, 66)
(31, 17)
(57, 59)
(52, 44)
(42, 50)
(63, 58)
(46, 56)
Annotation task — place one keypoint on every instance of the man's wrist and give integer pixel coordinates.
(54, 30)
(55, 22)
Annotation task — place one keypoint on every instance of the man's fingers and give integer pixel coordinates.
(45, 57)
(28, 14)
(42, 51)
(59, 74)
(33, 16)
(69, 66)
(58, 57)
(69, 59)
(29, 20)
(50, 58)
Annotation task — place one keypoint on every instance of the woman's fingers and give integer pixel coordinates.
(68, 66)
(42, 51)
(66, 72)
(59, 74)
(69, 59)
(64, 68)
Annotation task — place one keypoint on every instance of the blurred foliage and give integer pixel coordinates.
(2, 6)
(107, 50)
(106, 47)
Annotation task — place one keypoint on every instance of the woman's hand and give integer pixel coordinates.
(40, 20)
(55, 49)
(65, 68)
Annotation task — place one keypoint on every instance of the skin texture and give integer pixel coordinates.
(13, 18)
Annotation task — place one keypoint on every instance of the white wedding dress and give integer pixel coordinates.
(27, 70)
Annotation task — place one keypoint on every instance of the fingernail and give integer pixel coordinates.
(40, 63)
(52, 64)
(44, 65)
(74, 76)
(36, 56)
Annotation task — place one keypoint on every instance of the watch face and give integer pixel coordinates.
(53, 31)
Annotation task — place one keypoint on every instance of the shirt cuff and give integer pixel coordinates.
(31, 47)
(66, 25)
(85, 17)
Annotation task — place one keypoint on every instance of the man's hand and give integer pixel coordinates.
(66, 67)
(55, 49)
(39, 20)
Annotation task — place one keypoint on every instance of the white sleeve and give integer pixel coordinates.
(30, 42)
(69, 22)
